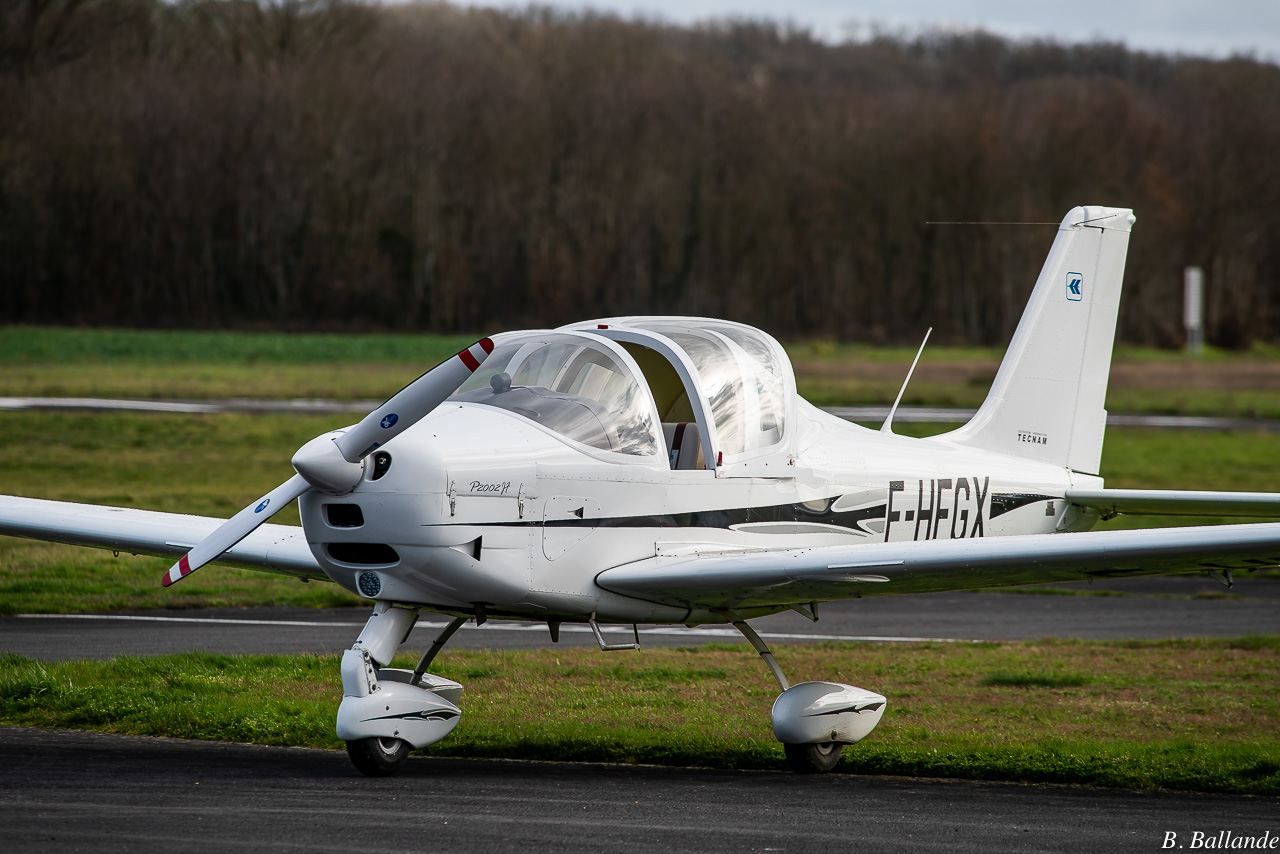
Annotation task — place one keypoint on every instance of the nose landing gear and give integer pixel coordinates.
(387, 712)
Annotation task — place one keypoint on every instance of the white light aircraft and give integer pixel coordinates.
(663, 470)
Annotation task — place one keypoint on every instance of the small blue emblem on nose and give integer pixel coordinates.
(262, 506)
(390, 420)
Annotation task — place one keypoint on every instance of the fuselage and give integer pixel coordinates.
(480, 508)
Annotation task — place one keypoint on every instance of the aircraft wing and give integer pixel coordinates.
(1169, 502)
(773, 577)
(271, 548)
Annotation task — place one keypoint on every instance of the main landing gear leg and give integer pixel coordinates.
(814, 720)
(761, 647)
(385, 712)
(803, 758)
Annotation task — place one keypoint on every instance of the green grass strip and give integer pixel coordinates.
(1197, 715)
(51, 345)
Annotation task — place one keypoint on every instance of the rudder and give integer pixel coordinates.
(1047, 401)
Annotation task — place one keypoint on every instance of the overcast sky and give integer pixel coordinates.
(1209, 27)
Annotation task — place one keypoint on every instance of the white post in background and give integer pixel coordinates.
(1193, 309)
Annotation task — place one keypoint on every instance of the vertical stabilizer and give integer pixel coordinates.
(1047, 400)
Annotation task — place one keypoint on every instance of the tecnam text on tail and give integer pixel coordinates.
(664, 470)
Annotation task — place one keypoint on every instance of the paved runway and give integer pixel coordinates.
(1131, 608)
(64, 791)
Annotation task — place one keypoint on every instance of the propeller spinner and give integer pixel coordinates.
(335, 464)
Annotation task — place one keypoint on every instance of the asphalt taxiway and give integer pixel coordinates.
(68, 791)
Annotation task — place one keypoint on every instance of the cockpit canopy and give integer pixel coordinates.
(633, 385)
(575, 387)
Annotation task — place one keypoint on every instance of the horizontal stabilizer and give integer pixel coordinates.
(1171, 502)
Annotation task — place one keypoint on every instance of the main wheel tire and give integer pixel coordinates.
(813, 758)
(378, 757)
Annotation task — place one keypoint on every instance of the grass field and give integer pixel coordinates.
(45, 345)
(1192, 715)
(55, 362)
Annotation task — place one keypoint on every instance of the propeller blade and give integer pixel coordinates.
(407, 406)
(236, 528)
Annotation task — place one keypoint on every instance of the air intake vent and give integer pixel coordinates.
(344, 515)
(363, 554)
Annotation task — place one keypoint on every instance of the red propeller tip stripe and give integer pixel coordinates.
(470, 360)
(184, 569)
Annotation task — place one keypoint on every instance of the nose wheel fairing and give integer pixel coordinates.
(374, 706)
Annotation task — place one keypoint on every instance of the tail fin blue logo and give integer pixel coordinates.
(1075, 287)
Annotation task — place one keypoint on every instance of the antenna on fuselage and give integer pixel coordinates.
(887, 427)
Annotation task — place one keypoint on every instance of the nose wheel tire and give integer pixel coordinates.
(812, 758)
(378, 757)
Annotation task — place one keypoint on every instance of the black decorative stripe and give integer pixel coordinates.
(1004, 503)
(436, 715)
(869, 707)
(852, 519)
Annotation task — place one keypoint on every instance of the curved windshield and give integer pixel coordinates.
(739, 373)
(575, 388)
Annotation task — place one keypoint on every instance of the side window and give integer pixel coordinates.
(747, 398)
(743, 374)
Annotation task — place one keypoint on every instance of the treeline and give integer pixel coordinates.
(299, 164)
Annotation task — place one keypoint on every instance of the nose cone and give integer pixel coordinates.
(322, 464)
